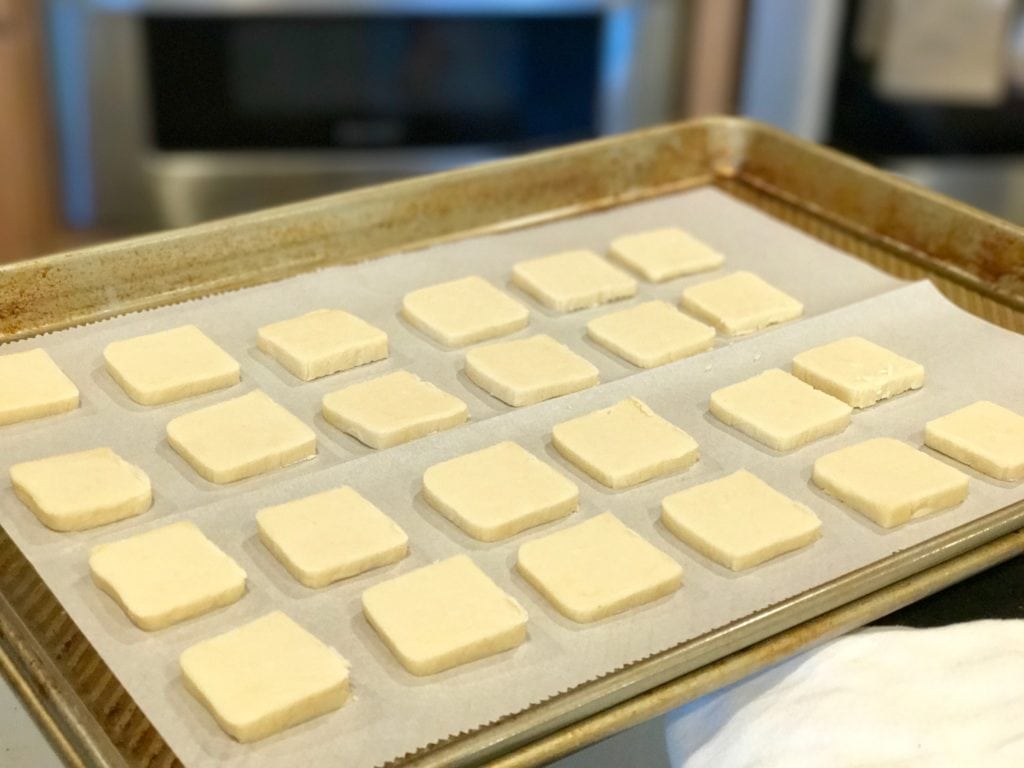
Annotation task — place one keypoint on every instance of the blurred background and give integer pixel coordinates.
(119, 117)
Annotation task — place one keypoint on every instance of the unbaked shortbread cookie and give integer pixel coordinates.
(661, 254)
(463, 311)
(984, 436)
(265, 676)
(889, 481)
(857, 371)
(624, 445)
(597, 568)
(76, 491)
(322, 342)
(651, 334)
(443, 615)
(166, 575)
(779, 410)
(527, 371)
(240, 438)
(393, 409)
(499, 491)
(330, 536)
(169, 365)
(739, 520)
(572, 280)
(741, 303)
(32, 386)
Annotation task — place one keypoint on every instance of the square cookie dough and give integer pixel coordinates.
(330, 536)
(597, 568)
(572, 280)
(322, 342)
(166, 575)
(76, 491)
(443, 615)
(624, 445)
(239, 438)
(662, 254)
(739, 520)
(169, 365)
(393, 409)
(888, 481)
(857, 371)
(265, 676)
(499, 491)
(984, 436)
(527, 371)
(463, 311)
(780, 411)
(651, 334)
(32, 386)
(740, 303)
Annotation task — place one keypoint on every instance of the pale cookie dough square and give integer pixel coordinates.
(393, 409)
(32, 386)
(662, 254)
(888, 481)
(572, 280)
(169, 365)
(651, 334)
(624, 445)
(166, 575)
(330, 536)
(499, 491)
(265, 676)
(739, 520)
(780, 411)
(239, 438)
(527, 371)
(597, 568)
(740, 303)
(984, 436)
(76, 491)
(857, 371)
(443, 615)
(322, 342)
(463, 311)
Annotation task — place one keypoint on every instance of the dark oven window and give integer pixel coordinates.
(266, 82)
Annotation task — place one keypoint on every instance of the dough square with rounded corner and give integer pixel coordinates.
(76, 491)
(740, 303)
(597, 568)
(857, 371)
(322, 342)
(984, 436)
(463, 311)
(330, 536)
(888, 481)
(444, 615)
(33, 386)
(739, 521)
(265, 676)
(527, 371)
(393, 409)
(651, 334)
(779, 410)
(661, 254)
(498, 491)
(170, 365)
(241, 437)
(166, 575)
(572, 280)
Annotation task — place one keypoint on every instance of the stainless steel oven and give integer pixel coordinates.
(175, 111)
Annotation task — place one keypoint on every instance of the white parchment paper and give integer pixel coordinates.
(393, 712)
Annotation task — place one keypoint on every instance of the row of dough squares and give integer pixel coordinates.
(451, 612)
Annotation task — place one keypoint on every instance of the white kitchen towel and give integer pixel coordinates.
(951, 696)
